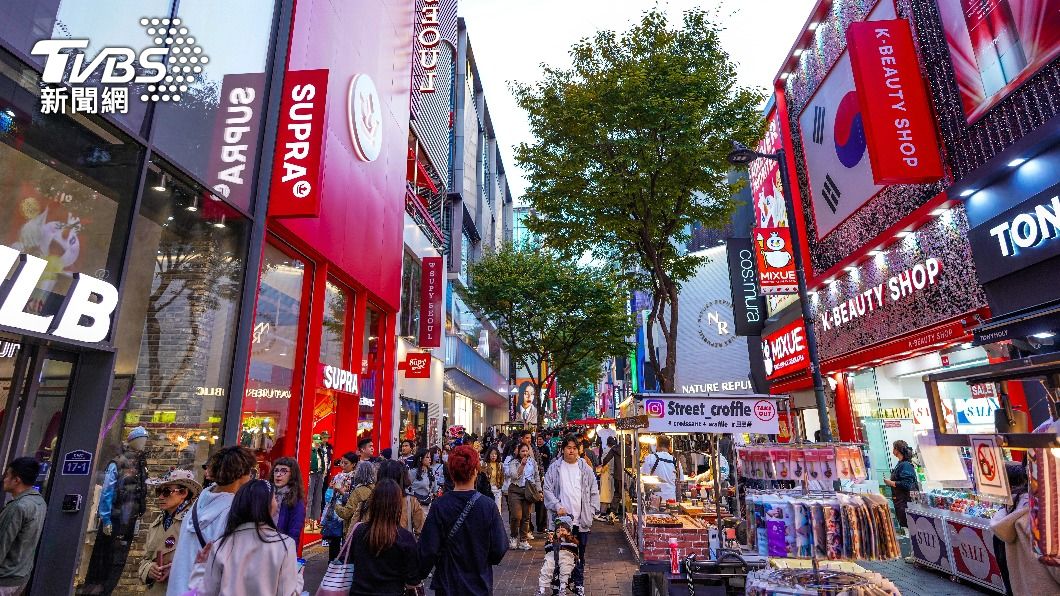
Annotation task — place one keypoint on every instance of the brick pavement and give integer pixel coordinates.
(609, 572)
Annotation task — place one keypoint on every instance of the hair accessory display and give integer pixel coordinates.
(796, 582)
(802, 462)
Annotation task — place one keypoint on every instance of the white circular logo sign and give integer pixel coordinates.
(365, 118)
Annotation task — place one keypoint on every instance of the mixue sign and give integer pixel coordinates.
(899, 126)
(915, 279)
(162, 71)
(85, 313)
(785, 351)
(712, 414)
(776, 261)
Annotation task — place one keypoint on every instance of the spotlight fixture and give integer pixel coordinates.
(939, 211)
(194, 205)
(220, 224)
(797, 52)
(1044, 335)
(161, 186)
(903, 234)
(813, 26)
(1017, 162)
(967, 192)
(875, 253)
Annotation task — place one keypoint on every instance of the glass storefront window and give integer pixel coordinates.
(105, 23)
(272, 403)
(334, 351)
(234, 35)
(462, 412)
(175, 338)
(414, 422)
(66, 188)
(411, 272)
(372, 359)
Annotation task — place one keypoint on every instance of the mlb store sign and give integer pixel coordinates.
(712, 414)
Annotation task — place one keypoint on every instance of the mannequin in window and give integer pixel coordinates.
(121, 504)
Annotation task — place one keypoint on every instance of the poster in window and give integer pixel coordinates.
(996, 45)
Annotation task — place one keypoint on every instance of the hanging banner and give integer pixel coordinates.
(989, 467)
(748, 304)
(432, 290)
(776, 261)
(767, 191)
(234, 151)
(785, 351)
(899, 126)
(296, 171)
(712, 414)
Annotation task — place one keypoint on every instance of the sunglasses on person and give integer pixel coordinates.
(165, 492)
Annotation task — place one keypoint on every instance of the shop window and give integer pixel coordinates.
(414, 422)
(372, 362)
(26, 22)
(175, 340)
(272, 401)
(462, 412)
(334, 351)
(234, 36)
(411, 272)
(66, 188)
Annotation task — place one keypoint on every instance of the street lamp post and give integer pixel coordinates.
(741, 155)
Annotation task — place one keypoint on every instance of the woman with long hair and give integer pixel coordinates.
(423, 482)
(903, 480)
(252, 557)
(519, 471)
(412, 514)
(290, 496)
(362, 482)
(495, 472)
(384, 555)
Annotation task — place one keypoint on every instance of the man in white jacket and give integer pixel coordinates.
(570, 489)
(230, 468)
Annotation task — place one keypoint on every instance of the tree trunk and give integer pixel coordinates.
(666, 297)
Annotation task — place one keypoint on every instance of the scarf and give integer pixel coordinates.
(280, 494)
(167, 518)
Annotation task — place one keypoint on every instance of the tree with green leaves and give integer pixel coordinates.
(630, 153)
(576, 387)
(552, 315)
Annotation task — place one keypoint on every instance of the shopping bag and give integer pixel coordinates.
(339, 576)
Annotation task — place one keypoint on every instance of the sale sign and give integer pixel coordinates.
(899, 126)
(432, 289)
(296, 170)
(785, 351)
(926, 534)
(776, 261)
(973, 553)
(989, 467)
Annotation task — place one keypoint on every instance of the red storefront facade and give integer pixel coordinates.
(322, 352)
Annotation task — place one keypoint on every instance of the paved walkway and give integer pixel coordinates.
(913, 580)
(609, 572)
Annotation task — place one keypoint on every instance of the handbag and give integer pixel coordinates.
(331, 523)
(339, 577)
(533, 492)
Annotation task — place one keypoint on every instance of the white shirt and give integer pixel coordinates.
(666, 472)
(570, 488)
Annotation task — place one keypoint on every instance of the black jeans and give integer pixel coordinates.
(540, 518)
(578, 576)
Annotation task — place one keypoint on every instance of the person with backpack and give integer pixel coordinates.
(251, 557)
(663, 466)
(463, 536)
(383, 553)
(230, 469)
(355, 507)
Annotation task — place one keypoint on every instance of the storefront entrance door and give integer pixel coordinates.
(36, 383)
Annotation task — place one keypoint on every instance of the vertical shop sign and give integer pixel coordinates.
(296, 170)
(899, 126)
(748, 306)
(235, 137)
(776, 262)
(431, 303)
(428, 40)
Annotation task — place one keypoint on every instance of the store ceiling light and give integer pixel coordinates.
(1044, 335)
(161, 186)
(875, 253)
(194, 206)
(784, 76)
(967, 192)
(813, 26)
(939, 211)
(798, 52)
(850, 268)
(903, 234)
(1019, 161)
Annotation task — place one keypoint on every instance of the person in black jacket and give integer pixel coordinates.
(463, 537)
(903, 480)
(384, 555)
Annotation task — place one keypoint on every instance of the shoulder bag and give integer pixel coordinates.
(339, 576)
(532, 488)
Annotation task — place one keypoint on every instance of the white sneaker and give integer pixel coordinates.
(524, 545)
(513, 543)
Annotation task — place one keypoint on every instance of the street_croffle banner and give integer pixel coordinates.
(890, 204)
(898, 309)
(899, 125)
(432, 290)
(716, 414)
(296, 169)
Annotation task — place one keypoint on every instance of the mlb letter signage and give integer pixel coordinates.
(296, 166)
(899, 127)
